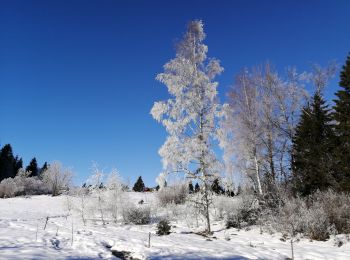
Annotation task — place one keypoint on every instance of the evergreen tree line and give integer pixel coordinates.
(10, 164)
(321, 145)
(215, 187)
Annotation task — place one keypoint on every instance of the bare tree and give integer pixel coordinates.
(259, 123)
(114, 186)
(57, 178)
(241, 129)
(96, 181)
(83, 193)
(289, 96)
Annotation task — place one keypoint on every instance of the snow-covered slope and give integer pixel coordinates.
(22, 236)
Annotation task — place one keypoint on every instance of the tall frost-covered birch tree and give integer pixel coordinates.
(190, 115)
(241, 129)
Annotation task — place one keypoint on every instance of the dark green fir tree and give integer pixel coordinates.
(139, 185)
(33, 168)
(190, 188)
(196, 187)
(341, 115)
(43, 169)
(7, 163)
(216, 187)
(312, 147)
(18, 164)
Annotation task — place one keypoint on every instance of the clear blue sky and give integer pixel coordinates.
(77, 77)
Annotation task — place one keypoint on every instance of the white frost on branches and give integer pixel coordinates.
(161, 180)
(57, 178)
(258, 124)
(190, 117)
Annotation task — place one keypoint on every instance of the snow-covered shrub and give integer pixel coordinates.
(318, 227)
(233, 221)
(272, 200)
(33, 186)
(295, 217)
(22, 185)
(8, 188)
(317, 216)
(163, 227)
(222, 205)
(246, 213)
(290, 218)
(137, 215)
(340, 240)
(337, 208)
(175, 211)
(191, 215)
(175, 194)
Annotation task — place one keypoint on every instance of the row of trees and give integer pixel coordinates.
(271, 131)
(321, 147)
(274, 133)
(51, 179)
(10, 164)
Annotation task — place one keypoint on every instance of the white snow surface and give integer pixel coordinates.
(22, 236)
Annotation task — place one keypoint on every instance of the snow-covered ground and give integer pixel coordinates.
(22, 236)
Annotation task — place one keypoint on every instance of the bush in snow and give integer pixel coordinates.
(22, 185)
(175, 194)
(32, 185)
(163, 227)
(318, 226)
(317, 216)
(337, 208)
(245, 213)
(176, 211)
(137, 215)
(8, 188)
(290, 218)
(223, 205)
(295, 217)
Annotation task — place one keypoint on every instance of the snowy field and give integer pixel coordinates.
(22, 236)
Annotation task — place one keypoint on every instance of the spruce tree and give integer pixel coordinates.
(43, 169)
(312, 147)
(197, 188)
(7, 163)
(33, 168)
(216, 187)
(18, 164)
(139, 185)
(190, 188)
(341, 115)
